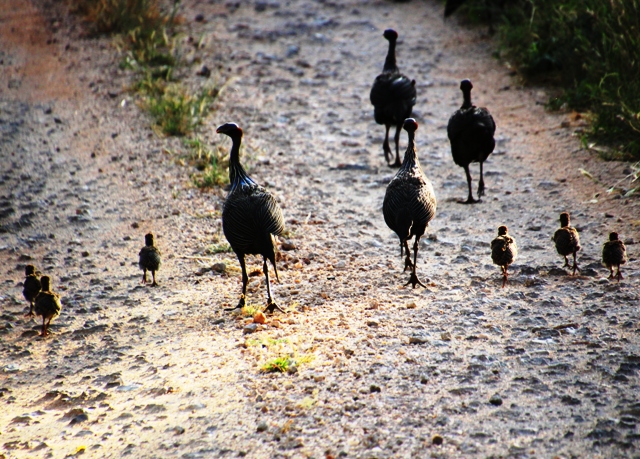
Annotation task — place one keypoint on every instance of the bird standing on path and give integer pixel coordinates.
(251, 218)
(393, 96)
(504, 251)
(614, 254)
(567, 241)
(149, 259)
(47, 304)
(409, 203)
(31, 287)
(470, 132)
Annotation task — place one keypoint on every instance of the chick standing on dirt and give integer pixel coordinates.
(504, 251)
(47, 304)
(614, 254)
(149, 259)
(567, 241)
(31, 287)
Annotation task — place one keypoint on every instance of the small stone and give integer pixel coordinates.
(135, 225)
(445, 336)
(437, 440)
(204, 72)
(79, 418)
(259, 318)
(219, 267)
(417, 340)
(85, 254)
(262, 427)
(288, 246)
(373, 323)
(199, 17)
(495, 400)
(250, 328)
(374, 388)
(411, 305)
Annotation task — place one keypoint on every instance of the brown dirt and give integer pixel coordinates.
(383, 370)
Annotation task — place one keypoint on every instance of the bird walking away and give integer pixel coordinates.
(471, 130)
(567, 241)
(251, 218)
(31, 287)
(149, 259)
(504, 251)
(47, 304)
(393, 96)
(409, 203)
(614, 254)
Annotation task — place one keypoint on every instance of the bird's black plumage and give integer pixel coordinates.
(393, 96)
(47, 304)
(471, 130)
(251, 217)
(567, 240)
(504, 251)
(149, 259)
(614, 254)
(409, 202)
(31, 286)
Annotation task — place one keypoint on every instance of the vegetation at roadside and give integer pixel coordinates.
(589, 49)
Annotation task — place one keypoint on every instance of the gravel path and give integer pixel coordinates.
(547, 367)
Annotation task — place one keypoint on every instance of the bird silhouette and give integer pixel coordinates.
(504, 251)
(409, 203)
(614, 254)
(149, 259)
(470, 132)
(31, 287)
(567, 241)
(251, 218)
(47, 304)
(393, 96)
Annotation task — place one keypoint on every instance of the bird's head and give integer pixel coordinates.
(45, 281)
(29, 269)
(148, 239)
(390, 34)
(230, 129)
(564, 219)
(410, 125)
(465, 85)
(613, 236)
(502, 231)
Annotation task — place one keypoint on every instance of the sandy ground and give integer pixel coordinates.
(546, 367)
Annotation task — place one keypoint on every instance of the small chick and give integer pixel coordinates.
(31, 287)
(149, 259)
(504, 251)
(567, 241)
(614, 253)
(47, 304)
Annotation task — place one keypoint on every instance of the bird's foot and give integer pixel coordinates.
(611, 276)
(272, 306)
(575, 268)
(413, 280)
(396, 164)
(505, 281)
(240, 304)
(619, 276)
(480, 190)
(469, 200)
(30, 314)
(154, 284)
(408, 264)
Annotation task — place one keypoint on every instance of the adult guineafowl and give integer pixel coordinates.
(393, 96)
(504, 251)
(470, 132)
(251, 218)
(567, 240)
(409, 203)
(31, 286)
(614, 254)
(47, 304)
(149, 259)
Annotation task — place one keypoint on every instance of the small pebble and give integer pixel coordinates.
(262, 427)
(495, 400)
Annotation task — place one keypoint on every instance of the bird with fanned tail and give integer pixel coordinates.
(31, 287)
(471, 130)
(409, 203)
(504, 251)
(251, 218)
(614, 254)
(393, 96)
(567, 241)
(47, 304)
(149, 259)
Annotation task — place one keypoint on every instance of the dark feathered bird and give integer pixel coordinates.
(31, 287)
(251, 217)
(47, 304)
(504, 251)
(470, 132)
(567, 241)
(393, 96)
(149, 259)
(614, 254)
(409, 203)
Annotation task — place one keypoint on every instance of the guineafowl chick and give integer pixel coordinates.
(614, 254)
(393, 96)
(149, 259)
(31, 287)
(409, 203)
(471, 130)
(251, 218)
(567, 241)
(47, 304)
(504, 251)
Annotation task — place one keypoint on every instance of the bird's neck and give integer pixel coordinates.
(390, 61)
(410, 158)
(467, 99)
(237, 175)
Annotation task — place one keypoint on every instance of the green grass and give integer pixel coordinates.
(221, 247)
(277, 365)
(212, 164)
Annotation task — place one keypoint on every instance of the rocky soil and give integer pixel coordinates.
(547, 367)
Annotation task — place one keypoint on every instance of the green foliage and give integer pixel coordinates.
(221, 247)
(277, 365)
(212, 164)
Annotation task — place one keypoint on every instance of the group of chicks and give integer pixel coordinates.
(504, 249)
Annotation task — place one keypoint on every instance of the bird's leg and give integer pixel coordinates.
(470, 199)
(481, 183)
(566, 262)
(619, 275)
(30, 313)
(271, 305)
(413, 279)
(396, 138)
(245, 279)
(48, 325)
(505, 276)
(144, 276)
(407, 260)
(154, 284)
(385, 144)
(575, 264)
(44, 328)
(610, 272)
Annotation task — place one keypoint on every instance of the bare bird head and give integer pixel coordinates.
(45, 281)
(29, 269)
(502, 231)
(465, 85)
(613, 236)
(390, 35)
(564, 219)
(148, 239)
(410, 125)
(230, 129)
